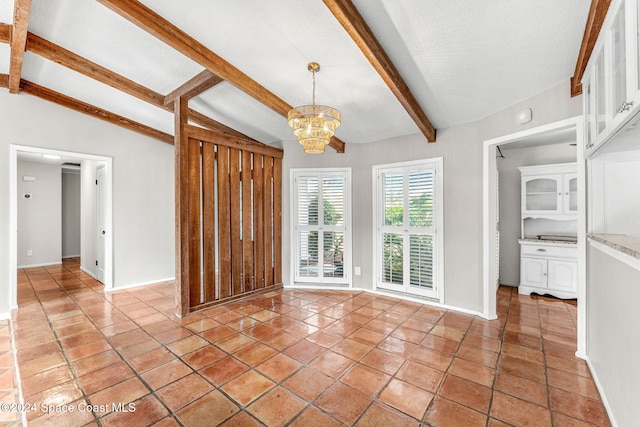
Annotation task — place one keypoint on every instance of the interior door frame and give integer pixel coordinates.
(13, 212)
(489, 167)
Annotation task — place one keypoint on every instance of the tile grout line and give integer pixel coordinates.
(17, 382)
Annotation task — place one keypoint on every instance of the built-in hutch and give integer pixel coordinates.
(611, 90)
(548, 250)
(611, 96)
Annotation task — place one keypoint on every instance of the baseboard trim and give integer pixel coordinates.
(44, 264)
(71, 256)
(5, 316)
(390, 295)
(426, 302)
(84, 270)
(605, 402)
(137, 285)
(321, 287)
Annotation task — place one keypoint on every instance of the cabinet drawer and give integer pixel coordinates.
(550, 251)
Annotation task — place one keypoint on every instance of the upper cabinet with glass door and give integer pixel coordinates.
(611, 82)
(549, 191)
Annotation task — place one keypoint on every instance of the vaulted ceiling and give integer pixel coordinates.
(459, 60)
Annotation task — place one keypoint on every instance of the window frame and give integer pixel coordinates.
(438, 226)
(347, 279)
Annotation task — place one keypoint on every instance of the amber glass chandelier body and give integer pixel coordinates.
(314, 125)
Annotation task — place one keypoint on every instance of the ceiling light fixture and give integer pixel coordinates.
(314, 125)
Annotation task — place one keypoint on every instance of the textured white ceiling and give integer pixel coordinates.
(462, 59)
(6, 11)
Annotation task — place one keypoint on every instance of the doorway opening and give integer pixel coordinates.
(491, 219)
(88, 167)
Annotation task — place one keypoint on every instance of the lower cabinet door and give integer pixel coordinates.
(563, 275)
(533, 272)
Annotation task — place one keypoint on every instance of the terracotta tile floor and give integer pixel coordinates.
(289, 357)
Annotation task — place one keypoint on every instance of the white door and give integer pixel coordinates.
(534, 272)
(407, 221)
(101, 229)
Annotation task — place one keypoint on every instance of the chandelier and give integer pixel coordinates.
(314, 125)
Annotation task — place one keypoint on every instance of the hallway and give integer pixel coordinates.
(289, 357)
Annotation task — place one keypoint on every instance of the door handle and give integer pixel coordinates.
(104, 232)
(626, 106)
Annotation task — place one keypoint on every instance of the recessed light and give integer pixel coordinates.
(51, 156)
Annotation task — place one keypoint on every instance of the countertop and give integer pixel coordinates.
(544, 242)
(620, 242)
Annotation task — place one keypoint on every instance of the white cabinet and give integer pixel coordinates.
(562, 275)
(548, 268)
(542, 194)
(549, 207)
(549, 190)
(533, 272)
(611, 81)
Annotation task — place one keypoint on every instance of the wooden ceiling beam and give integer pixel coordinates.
(156, 25)
(355, 25)
(194, 87)
(22, 9)
(75, 62)
(597, 13)
(93, 111)
(5, 33)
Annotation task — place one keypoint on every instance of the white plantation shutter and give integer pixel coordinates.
(421, 198)
(307, 192)
(421, 219)
(392, 262)
(406, 223)
(421, 261)
(393, 193)
(320, 213)
(333, 200)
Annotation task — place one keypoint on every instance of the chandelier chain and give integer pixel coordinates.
(313, 93)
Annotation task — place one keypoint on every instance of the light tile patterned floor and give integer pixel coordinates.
(290, 357)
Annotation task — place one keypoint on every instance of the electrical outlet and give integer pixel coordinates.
(358, 272)
(29, 252)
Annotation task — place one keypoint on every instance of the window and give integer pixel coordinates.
(408, 227)
(321, 216)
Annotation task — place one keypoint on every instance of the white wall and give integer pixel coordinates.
(461, 148)
(510, 199)
(613, 341)
(143, 184)
(40, 216)
(70, 214)
(620, 198)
